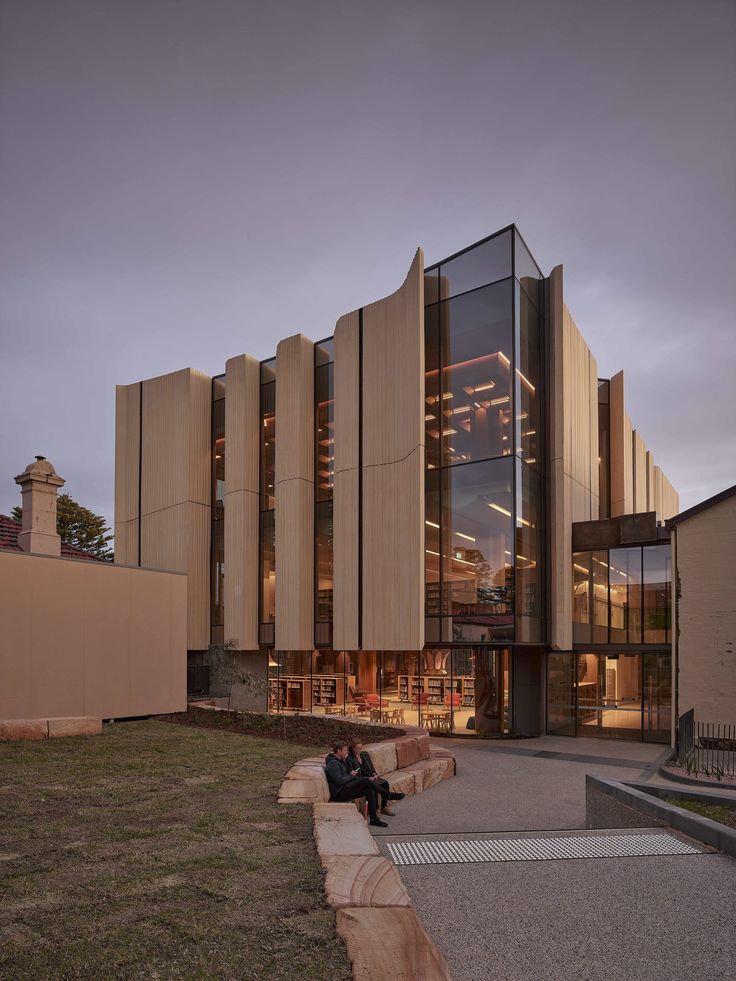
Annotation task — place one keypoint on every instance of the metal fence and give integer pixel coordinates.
(706, 747)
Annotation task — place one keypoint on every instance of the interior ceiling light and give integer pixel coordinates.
(526, 381)
(449, 432)
(428, 417)
(463, 561)
(533, 432)
(460, 408)
(579, 568)
(447, 395)
(502, 357)
(430, 552)
(497, 507)
(500, 401)
(523, 521)
(461, 535)
(432, 524)
(472, 389)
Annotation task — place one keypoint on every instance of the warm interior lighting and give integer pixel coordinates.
(432, 524)
(461, 535)
(447, 395)
(460, 408)
(579, 568)
(526, 381)
(472, 389)
(449, 432)
(462, 561)
(500, 401)
(497, 507)
(502, 357)
(428, 417)
(531, 432)
(430, 552)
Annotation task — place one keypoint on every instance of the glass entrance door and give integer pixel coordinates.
(609, 695)
(657, 691)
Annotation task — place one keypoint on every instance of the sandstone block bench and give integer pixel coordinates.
(409, 763)
(49, 728)
(374, 914)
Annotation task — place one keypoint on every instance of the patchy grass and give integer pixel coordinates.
(716, 812)
(313, 729)
(159, 851)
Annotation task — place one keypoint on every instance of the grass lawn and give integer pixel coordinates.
(158, 851)
(716, 812)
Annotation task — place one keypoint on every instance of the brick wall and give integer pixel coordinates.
(706, 567)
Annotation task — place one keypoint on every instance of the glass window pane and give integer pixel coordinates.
(599, 594)
(624, 579)
(432, 543)
(218, 574)
(657, 593)
(477, 549)
(484, 263)
(432, 411)
(474, 422)
(582, 600)
(268, 568)
(324, 443)
(529, 580)
(561, 694)
(295, 679)
(604, 425)
(527, 381)
(324, 351)
(268, 446)
(328, 682)
(324, 561)
(403, 688)
(431, 286)
(657, 697)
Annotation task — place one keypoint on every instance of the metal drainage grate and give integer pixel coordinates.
(537, 849)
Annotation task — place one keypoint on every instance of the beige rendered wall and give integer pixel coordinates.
(242, 428)
(346, 525)
(637, 483)
(393, 467)
(573, 452)
(89, 638)
(127, 450)
(295, 494)
(175, 484)
(705, 557)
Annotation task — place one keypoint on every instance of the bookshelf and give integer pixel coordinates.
(436, 687)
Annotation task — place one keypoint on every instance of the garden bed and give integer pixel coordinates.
(302, 729)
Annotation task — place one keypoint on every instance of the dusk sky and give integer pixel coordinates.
(182, 181)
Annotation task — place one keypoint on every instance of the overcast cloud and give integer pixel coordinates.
(186, 180)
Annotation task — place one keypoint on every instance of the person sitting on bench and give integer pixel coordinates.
(359, 759)
(346, 784)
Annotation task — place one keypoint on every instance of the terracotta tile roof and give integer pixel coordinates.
(9, 529)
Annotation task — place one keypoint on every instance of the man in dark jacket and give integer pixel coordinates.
(360, 759)
(346, 784)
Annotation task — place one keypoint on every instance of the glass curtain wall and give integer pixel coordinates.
(267, 599)
(484, 533)
(463, 691)
(622, 595)
(324, 472)
(217, 551)
(612, 695)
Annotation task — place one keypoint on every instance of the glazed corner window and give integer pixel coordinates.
(472, 408)
(268, 446)
(590, 597)
(485, 263)
(268, 567)
(477, 550)
(657, 590)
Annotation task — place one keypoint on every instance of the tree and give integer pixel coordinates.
(79, 527)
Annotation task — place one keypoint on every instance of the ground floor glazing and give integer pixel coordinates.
(482, 691)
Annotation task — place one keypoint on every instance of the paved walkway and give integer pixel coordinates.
(594, 919)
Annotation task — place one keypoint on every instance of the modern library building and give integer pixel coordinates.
(439, 515)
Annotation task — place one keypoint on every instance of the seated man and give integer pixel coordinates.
(346, 784)
(360, 760)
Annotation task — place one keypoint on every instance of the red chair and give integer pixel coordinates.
(373, 701)
(420, 698)
(453, 699)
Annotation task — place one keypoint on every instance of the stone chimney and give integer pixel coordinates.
(39, 483)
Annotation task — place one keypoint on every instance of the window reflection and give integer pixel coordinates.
(477, 543)
(527, 380)
(432, 543)
(624, 578)
(657, 593)
(472, 406)
(268, 567)
(484, 263)
(529, 540)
